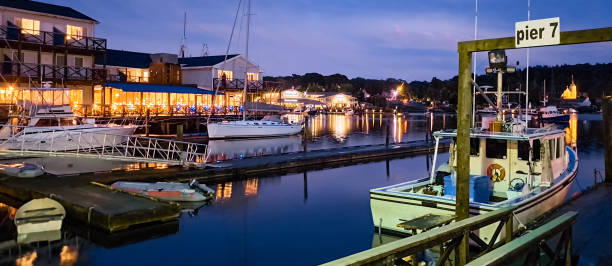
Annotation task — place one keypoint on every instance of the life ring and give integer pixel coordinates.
(496, 172)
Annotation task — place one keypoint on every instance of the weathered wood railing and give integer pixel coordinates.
(532, 243)
(447, 237)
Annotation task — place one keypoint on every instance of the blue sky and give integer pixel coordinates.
(412, 40)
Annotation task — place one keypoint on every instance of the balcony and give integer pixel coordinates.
(123, 78)
(253, 85)
(13, 71)
(54, 39)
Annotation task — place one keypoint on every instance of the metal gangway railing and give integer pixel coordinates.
(19, 141)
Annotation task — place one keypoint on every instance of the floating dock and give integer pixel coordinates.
(91, 204)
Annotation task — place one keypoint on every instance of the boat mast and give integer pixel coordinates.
(246, 67)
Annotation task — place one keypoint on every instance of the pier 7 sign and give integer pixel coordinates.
(537, 32)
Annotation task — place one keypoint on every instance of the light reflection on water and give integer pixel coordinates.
(334, 130)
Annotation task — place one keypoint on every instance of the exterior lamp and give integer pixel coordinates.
(498, 59)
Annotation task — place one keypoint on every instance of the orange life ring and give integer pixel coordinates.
(496, 172)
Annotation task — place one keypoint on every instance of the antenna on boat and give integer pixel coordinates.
(246, 67)
(474, 67)
(184, 37)
(527, 78)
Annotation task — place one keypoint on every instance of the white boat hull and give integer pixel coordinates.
(69, 139)
(241, 130)
(389, 207)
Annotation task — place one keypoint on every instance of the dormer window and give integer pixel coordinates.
(74, 32)
(28, 26)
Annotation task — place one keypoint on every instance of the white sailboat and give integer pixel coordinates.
(249, 129)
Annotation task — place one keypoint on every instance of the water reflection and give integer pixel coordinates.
(69, 255)
(27, 259)
(224, 191)
(220, 150)
(251, 187)
(571, 131)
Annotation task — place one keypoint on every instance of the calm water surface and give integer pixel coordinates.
(297, 219)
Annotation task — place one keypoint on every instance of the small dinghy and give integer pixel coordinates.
(39, 220)
(171, 191)
(23, 170)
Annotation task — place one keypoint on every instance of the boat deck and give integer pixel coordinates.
(98, 206)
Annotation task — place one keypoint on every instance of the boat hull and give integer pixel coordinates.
(69, 139)
(559, 118)
(388, 208)
(231, 130)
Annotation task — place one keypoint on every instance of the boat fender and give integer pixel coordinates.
(496, 172)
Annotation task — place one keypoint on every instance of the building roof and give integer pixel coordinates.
(45, 8)
(201, 61)
(124, 58)
(135, 87)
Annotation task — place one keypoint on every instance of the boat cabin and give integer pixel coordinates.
(513, 163)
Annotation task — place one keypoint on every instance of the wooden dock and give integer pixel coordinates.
(90, 204)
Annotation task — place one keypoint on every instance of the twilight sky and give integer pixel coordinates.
(412, 40)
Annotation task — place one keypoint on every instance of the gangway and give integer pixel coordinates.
(104, 146)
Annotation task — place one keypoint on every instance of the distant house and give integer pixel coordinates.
(293, 98)
(228, 76)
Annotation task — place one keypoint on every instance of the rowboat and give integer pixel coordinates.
(39, 220)
(170, 191)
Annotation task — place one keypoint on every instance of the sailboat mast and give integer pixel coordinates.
(246, 67)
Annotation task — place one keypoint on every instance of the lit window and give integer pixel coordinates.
(252, 76)
(227, 73)
(74, 32)
(29, 26)
(145, 75)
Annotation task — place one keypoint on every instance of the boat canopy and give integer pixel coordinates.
(133, 87)
(529, 134)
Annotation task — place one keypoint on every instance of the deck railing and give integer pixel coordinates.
(14, 69)
(11, 33)
(252, 85)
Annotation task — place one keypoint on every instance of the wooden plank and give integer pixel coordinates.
(517, 247)
(427, 222)
(567, 38)
(424, 240)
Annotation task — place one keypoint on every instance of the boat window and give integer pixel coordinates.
(69, 121)
(559, 147)
(46, 122)
(523, 150)
(475, 147)
(536, 150)
(551, 148)
(496, 148)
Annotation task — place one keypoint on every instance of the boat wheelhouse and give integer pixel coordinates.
(531, 170)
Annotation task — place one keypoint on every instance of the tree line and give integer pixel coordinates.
(592, 80)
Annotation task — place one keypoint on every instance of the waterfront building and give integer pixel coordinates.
(51, 43)
(292, 98)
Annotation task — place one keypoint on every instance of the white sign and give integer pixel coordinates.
(539, 32)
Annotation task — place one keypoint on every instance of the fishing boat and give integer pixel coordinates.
(170, 191)
(23, 170)
(39, 220)
(510, 164)
(551, 114)
(57, 128)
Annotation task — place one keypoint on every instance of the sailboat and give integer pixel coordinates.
(530, 169)
(266, 127)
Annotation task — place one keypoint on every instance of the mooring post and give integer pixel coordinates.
(606, 104)
(305, 134)
(387, 133)
(464, 118)
(179, 135)
(147, 122)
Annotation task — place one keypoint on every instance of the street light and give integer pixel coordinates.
(498, 59)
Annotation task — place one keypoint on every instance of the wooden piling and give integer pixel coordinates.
(147, 119)
(464, 118)
(179, 132)
(606, 105)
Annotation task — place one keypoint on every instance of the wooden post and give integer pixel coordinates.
(386, 134)
(464, 118)
(179, 132)
(147, 122)
(305, 134)
(606, 105)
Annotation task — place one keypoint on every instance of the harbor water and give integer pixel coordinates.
(302, 218)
